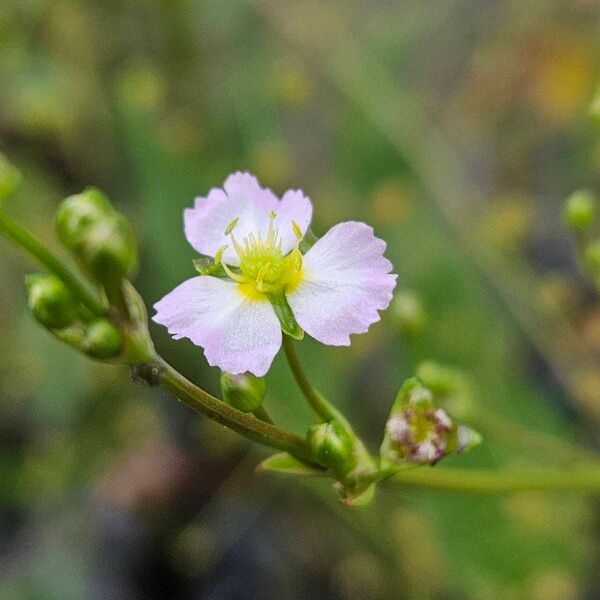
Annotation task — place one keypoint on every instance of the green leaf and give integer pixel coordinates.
(286, 464)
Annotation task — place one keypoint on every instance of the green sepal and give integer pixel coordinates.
(286, 464)
(412, 392)
(207, 266)
(138, 348)
(244, 391)
(308, 241)
(286, 317)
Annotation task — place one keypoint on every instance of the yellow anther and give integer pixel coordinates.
(272, 215)
(297, 230)
(232, 226)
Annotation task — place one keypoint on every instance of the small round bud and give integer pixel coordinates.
(102, 339)
(579, 209)
(109, 250)
(51, 303)
(408, 312)
(331, 443)
(244, 392)
(77, 214)
(591, 256)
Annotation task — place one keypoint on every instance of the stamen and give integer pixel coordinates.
(234, 276)
(272, 232)
(219, 254)
(236, 246)
(232, 226)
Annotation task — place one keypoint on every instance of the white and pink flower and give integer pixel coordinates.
(333, 290)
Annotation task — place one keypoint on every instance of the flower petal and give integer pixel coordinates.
(294, 207)
(346, 282)
(237, 334)
(243, 199)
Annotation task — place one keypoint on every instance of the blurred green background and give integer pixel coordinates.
(456, 128)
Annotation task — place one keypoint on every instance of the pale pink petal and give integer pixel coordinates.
(237, 334)
(346, 282)
(243, 199)
(294, 207)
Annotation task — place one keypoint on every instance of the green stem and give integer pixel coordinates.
(249, 426)
(497, 482)
(19, 236)
(323, 409)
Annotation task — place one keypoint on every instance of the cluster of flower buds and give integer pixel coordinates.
(53, 306)
(579, 212)
(420, 432)
(100, 237)
(103, 243)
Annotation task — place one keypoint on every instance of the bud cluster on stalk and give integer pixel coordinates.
(418, 431)
(100, 238)
(103, 243)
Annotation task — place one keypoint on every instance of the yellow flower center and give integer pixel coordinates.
(263, 268)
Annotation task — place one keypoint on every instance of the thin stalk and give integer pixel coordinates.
(249, 426)
(501, 482)
(323, 409)
(19, 236)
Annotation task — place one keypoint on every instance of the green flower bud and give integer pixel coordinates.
(408, 312)
(77, 214)
(109, 251)
(51, 303)
(331, 443)
(244, 392)
(102, 339)
(591, 256)
(10, 178)
(579, 209)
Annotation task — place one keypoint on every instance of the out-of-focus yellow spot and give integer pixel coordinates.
(390, 202)
(272, 163)
(141, 86)
(294, 84)
(562, 81)
(507, 222)
(555, 585)
(529, 509)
